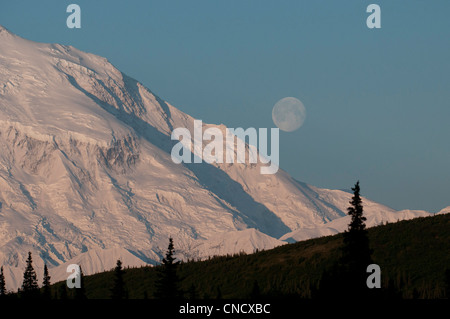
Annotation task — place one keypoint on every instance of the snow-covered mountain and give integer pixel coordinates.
(86, 174)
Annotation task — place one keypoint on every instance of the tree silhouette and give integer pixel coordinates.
(347, 277)
(118, 289)
(356, 253)
(80, 293)
(30, 288)
(46, 293)
(167, 284)
(2, 283)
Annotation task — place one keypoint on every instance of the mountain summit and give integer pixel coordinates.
(85, 168)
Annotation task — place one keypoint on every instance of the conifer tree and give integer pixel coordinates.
(80, 293)
(118, 289)
(30, 288)
(167, 285)
(356, 241)
(347, 277)
(356, 253)
(2, 283)
(46, 293)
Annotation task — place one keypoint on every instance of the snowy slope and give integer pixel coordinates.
(91, 262)
(445, 210)
(234, 242)
(85, 166)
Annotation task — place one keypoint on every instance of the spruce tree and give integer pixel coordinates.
(356, 253)
(347, 277)
(30, 288)
(2, 283)
(80, 293)
(46, 292)
(356, 241)
(167, 284)
(118, 289)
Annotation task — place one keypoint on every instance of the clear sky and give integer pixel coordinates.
(377, 100)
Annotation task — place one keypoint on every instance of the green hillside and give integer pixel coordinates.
(413, 256)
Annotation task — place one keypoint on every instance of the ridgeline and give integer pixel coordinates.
(413, 255)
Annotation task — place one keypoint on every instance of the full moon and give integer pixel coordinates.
(288, 114)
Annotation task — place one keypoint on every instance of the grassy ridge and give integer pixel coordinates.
(413, 256)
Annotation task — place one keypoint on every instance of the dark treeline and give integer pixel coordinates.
(30, 287)
(413, 257)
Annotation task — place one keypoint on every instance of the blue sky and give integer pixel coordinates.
(377, 101)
